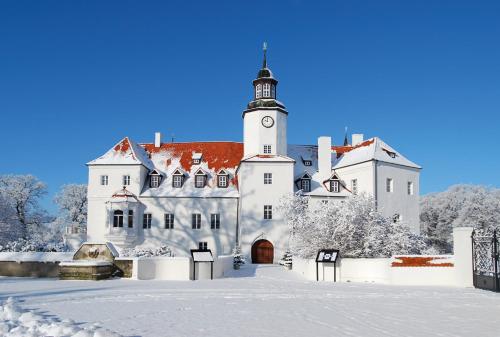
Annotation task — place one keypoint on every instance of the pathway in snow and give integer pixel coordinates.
(265, 301)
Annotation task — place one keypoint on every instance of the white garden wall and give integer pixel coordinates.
(422, 270)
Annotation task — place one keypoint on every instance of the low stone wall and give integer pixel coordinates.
(29, 269)
(124, 267)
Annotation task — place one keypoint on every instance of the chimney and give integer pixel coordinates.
(357, 138)
(325, 157)
(157, 139)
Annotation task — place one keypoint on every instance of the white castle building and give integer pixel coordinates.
(217, 194)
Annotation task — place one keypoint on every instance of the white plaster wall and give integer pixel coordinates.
(423, 276)
(363, 172)
(182, 238)
(398, 201)
(255, 135)
(254, 195)
(462, 249)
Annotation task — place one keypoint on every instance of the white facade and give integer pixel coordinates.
(217, 194)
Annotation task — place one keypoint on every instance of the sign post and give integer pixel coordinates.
(202, 255)
(327, 256)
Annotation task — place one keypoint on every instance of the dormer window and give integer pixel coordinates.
(196, 158)
(222, 179)
(267, 90)
(200, 179)
(334, 186)
(305, 185)
(177, 179)
(154, 179)
(307, 162)
(258, 91)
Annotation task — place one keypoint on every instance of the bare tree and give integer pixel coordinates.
(22, 193)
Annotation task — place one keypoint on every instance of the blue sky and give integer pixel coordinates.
(77, 76)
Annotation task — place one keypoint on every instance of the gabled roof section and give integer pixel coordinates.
(155, 172)
(223, 172)
(371, 149)
(125, 152)
(200, 172)
(178, 172)
(304, 175)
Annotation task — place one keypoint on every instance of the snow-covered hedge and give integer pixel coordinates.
(146, 252)
(33, 245)
(16, 322)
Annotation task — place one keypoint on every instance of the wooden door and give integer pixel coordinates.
(262, 252)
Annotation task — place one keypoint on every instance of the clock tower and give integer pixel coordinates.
(265, 118)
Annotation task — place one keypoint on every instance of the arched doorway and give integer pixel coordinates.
(262, 252)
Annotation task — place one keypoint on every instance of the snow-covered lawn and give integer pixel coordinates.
(263, 301)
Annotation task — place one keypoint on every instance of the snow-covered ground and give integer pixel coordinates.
(263, 301)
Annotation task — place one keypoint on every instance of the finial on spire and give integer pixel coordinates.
(346, 141)
(264, 48)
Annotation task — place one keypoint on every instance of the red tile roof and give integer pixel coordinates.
(217, 155)
(344, 149)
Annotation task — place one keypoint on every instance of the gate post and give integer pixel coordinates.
(462, 251)
(495, 259)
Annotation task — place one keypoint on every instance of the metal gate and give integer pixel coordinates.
(486, 266)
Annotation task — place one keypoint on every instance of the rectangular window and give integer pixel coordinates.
(177, 181)
(258, 91)
(354, 186)
(222, 181)
(267, 90)
(389, 185)
(410, 188)
(215, 221)
(267, 149)
(104, 180)
(305, 185)
(334, 186)
(202, 245)
(199, 181)
(268, 212)
(130, 218)
(146, 220)
(268, 178)
(196, 221)
(155, 181)
(307, 163)
(169, 220)
(126, 180)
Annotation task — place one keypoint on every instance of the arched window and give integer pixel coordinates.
(258, 91)
(118, 218)
(267, 90)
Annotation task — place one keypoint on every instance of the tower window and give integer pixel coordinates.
(215, 221)
(268, 212)
(118, 218)
(258, 91)
(267, 149)
(389, 185)
(130, 218)
(169, 220)
(267, 90)
(354, 186)
(146, 220)
(268, 178)
(196, 221)
(126, 180)
(273, 91)
(104, 180)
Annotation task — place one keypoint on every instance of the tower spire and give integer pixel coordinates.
(264, 48)
(346, 141)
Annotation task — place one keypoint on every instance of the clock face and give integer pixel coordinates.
(268, 121)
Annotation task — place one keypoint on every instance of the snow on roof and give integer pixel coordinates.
(371, 149)
(125, 152)
(268, 158)
(197, 155)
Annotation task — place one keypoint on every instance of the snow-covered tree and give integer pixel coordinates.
(22, 193)
(72, 202)
(352, 225)
(460, 205)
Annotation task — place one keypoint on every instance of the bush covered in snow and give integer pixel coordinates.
(352, 225)
(460, 205)
(16, 322)
(146, 252)
(238, 257)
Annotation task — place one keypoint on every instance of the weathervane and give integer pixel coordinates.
(264, 48)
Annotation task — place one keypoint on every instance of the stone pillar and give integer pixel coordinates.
(462, 250)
